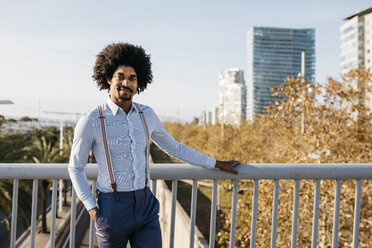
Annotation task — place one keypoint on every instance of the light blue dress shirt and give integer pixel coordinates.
(126, 138)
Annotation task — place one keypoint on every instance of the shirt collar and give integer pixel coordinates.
(115, 108)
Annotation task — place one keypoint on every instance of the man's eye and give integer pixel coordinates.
(121, 77)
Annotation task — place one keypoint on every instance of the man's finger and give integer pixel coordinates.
(235, 164)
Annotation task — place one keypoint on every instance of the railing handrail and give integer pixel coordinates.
(174, 172)
(185, 171)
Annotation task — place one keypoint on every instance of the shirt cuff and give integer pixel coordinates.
(211, 162)
(89, 204)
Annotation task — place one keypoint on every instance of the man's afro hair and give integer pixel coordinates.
(116, 54)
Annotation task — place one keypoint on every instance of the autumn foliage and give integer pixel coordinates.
(309, 123)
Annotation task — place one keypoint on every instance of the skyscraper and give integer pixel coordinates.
(273, 55)
(356, 41)
(232, 96)
(356, 45)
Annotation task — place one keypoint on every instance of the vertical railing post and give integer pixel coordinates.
(275, 213)
(73, 218)
(336, 214)
(254, 213)
(295, 213)
(193, 211)
(60, 198)
(91, 223)
(13, 234)
(153, 186)
(233, 213)
(358, 194)
(173, 213)
(314, 235)
(35, 185)
(54, 212)
(212, 227)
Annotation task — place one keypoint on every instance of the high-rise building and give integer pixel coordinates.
(232, 96)
(273, 55)
(208, 116)
(214, 115)
(356, 41)
(356, 45)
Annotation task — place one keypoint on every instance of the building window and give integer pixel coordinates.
(349, 37)
(348, 29)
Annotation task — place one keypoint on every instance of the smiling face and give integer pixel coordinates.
(123, 84)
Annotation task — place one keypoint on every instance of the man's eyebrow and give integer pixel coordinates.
(131, 75)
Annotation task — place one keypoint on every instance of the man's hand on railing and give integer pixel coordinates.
(93, 213)
(227, 165)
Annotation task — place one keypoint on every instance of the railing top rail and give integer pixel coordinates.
(185, 171)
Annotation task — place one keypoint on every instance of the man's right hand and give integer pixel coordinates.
(93, 213)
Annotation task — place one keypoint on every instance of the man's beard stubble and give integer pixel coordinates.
(123, 97)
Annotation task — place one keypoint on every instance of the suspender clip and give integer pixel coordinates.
(113, 185)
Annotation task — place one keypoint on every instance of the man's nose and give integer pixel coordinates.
(125, 82)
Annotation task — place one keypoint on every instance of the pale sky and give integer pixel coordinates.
(48, 48)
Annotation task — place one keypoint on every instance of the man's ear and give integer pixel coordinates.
(108, 81)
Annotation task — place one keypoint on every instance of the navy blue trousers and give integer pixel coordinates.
(132, 216)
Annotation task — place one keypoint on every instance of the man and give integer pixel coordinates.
(118, 133)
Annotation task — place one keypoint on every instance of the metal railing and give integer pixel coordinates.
(177, 172)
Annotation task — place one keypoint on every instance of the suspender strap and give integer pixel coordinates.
(107, 150)
(147, 143)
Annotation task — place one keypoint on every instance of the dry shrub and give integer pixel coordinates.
(337, 130)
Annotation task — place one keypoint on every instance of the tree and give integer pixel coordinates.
(13, 149)
(12, 121)
(336, 119)
(25, 119)
(2, 120)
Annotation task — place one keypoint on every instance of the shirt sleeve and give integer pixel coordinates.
(82, 144)
(172, 147)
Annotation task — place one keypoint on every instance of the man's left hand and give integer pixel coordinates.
(227, 165)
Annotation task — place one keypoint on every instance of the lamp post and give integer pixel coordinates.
(303, 78)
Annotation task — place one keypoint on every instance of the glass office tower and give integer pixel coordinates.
(273, 55)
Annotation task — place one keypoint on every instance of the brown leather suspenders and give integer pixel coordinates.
(147, 143)
(107, 150)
